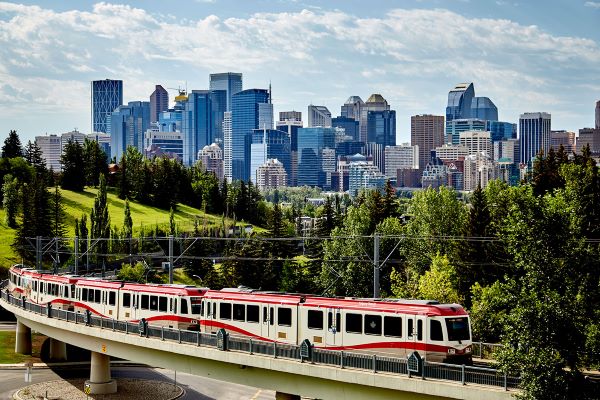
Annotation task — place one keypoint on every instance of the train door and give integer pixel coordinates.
(210, 313)
(333, 336)
(416, 334)
(268, 322)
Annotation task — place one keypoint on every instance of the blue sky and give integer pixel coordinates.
(524, 55)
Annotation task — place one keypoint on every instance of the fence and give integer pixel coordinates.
(341, 359)
(485, 350)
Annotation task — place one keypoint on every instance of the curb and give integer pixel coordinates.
(69, 365)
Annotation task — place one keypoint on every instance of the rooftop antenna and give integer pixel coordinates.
(270, 98)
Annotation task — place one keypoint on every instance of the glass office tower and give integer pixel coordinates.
(230, 82)
(311, 143)
(107, 95)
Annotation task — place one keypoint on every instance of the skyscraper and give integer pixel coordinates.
(128, 126)
(107, 95)
(159, 102)
(462, 104)
(250, 109)
(290, 116)
(382, 127)
(227, 146)
(290, 122)
(355, 108)
(311, 142)
(350, 125)
(319, 116)
(598, 114)
(230, 82)
(196, 124)
(534, 135)
(269, 144)
(427, 132)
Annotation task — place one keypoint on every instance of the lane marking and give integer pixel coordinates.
(256, 395)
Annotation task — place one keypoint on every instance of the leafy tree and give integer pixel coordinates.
(10, 190)
(440, 282)
(58, 214)
(489, 310)
(73, 167)
(12, 146)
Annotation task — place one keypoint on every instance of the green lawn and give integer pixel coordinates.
(7, 348)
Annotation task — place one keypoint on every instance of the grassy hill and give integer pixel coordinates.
(77, 204)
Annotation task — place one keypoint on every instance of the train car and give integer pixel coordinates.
(439, 332)
(264, 316)
(42, 288)
(98, 296)
(172, 306)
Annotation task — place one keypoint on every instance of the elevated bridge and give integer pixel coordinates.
(290, 370)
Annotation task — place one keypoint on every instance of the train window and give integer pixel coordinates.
(112, 298)
(84, 294)
(184, 306)
(153, 303)
(411, 327)
(35, 286)
(284, 316)
(214, 311)
(252, 313)
(419, 329)
(338, 321)
(271, 316)
(392, 326)
(353, 323)
(315, 319)
(372, 324)
(162, 304)
(196, 305)
(145, 302)
(239, 312)
(126, 300)
(435, 330)
(225, 310)
(97, 296)
(73, 291)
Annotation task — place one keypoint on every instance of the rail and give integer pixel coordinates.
(374, 363)
(484, 350)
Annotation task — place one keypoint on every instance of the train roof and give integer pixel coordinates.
(249, 295)
(44, 275)
(180, 290)
(99, 283)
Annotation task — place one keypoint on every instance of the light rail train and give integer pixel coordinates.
(393, 327)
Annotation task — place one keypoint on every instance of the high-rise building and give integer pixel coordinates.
(250, 109)
(462, 104)
(107, 95)
(267, 144)
(196, 124)
(227, 156)
(290, 122)
(598, 114)
(128, 126)
(381, 127)
(451, 152)
(159, 102)
(211, 158)
(230, 82)
(364, 175)
(167, 144)
(350, 125)
(591, 137)
(404, 156)
(51, 151)
(563, 138)
(500, 130)
(506, 151)
(477, 142)
(318, 116)
(74, 136)
(311, 142)
(271, 175)
(427, 132)
(355, 108)
(456, 126)
(534, 135)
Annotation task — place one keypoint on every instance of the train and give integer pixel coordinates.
(391, 327)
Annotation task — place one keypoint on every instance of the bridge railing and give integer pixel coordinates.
(341, 359)
(485, 350)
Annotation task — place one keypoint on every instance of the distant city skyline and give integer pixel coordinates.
(521, 56)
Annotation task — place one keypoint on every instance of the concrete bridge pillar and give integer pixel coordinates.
(100, 382)
(22, 339)
(58, 350)
(286, 396)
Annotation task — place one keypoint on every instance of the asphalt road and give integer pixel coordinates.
(195, 387)
(7, 326)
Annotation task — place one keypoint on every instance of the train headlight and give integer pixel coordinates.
(451, 351)
(468, 349)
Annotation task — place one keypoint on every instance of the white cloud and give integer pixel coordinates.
(403, 51)
(593, 4)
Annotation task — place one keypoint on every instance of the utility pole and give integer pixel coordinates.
(76, 244)
(170, 259)
(376, 265)
(38, 252)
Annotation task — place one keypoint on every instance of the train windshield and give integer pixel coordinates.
(458, 329)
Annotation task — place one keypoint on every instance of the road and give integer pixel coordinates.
(7, 326)
(196, 388)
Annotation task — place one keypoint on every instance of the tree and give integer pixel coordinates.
(440, 282)
(58, 215)
(172, 225)
(99, 218)
(127, 221)
(10, 190)
(83, 234)
(35, 157)
(12, 146)
(73, 167)
(95, 162)
(389, 202)
(123, 190)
